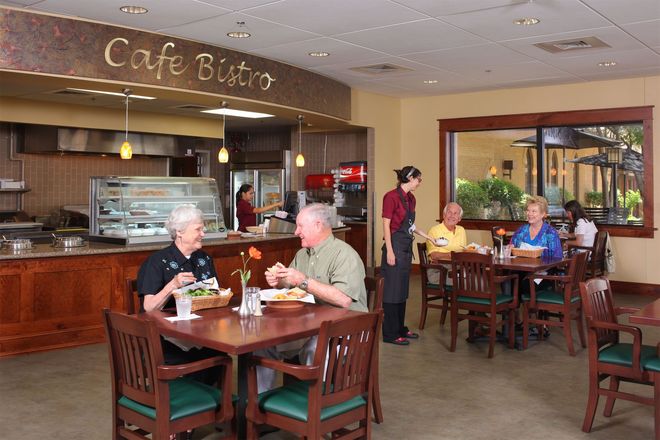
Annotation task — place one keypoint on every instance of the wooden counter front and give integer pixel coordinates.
(54, 299)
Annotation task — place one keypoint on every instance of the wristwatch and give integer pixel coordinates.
(303, 284)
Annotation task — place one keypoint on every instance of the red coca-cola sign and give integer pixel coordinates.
(353, 172)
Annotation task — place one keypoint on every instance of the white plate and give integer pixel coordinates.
(148, 232)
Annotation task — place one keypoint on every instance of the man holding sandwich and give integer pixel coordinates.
(325, 267)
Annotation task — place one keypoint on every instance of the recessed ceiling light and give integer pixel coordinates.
(526, 21)
(237, 113)
(134, 9)
(607, 64)
(318, 54)
(430, 81)
(103, 92)
(240, 32)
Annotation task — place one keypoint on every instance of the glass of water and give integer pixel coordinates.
(183, 306)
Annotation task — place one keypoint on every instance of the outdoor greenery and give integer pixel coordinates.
(553, 195)
(631, 201)
(471, 197)
(506, 193)
(594, 199)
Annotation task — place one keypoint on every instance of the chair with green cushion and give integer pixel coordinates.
(332, 393)
(653, 367)
(477, 291)
(558, 306)
(434, 296)
(153, 397)
(608, 357)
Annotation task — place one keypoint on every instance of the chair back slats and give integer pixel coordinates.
(348, 346)
(473, 275)
(134, 357)
(598, 306)
(132, 302)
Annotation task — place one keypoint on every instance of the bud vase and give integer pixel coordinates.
(501, 254)
(244, 308)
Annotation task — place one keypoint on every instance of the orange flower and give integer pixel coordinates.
(254, 253)
(501, 232)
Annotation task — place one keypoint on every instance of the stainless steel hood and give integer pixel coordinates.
(51, 139)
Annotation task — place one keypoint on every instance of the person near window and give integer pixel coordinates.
(585, 230)
(326, 267)
(398, 228)
(536, 232)
(245, 212)
(448, 230)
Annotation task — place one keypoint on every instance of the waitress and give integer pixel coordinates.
(245, 212)
(398, 229)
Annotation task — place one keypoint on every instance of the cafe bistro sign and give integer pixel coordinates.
(48, 45)
(205, 65)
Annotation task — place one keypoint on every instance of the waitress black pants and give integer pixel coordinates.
(393, 327)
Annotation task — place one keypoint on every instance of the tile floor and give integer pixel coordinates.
(427, 392)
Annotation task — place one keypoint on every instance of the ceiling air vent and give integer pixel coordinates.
(191, 107)
(569, 45)
(380, 69)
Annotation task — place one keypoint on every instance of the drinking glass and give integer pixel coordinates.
(507, 251)
(183, 306)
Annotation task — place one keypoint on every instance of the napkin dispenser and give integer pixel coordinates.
(281, 226)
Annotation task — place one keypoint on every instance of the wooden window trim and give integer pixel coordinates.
(553, 119)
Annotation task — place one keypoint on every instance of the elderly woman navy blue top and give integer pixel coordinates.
(536, 232)
(181, 263)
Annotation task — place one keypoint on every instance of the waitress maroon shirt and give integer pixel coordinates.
(245, 215)
(395, 210)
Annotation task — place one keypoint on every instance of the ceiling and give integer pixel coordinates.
(464, 45)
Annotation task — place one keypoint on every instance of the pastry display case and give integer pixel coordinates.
(133, 210)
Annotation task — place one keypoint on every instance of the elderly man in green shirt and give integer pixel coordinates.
(325, 267)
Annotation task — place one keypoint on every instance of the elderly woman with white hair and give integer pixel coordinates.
(181, 263)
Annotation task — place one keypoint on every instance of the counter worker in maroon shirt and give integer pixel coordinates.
(245, 212)
(398, 229)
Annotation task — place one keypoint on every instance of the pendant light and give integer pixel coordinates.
(300, 159)
(223, 154)
(126, 151)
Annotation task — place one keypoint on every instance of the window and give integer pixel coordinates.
(598, 157)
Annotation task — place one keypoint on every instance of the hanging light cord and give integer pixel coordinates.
(127, 93)
(300, 118)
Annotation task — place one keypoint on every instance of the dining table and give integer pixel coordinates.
(647, 315)
(224, 330)
(513, 263)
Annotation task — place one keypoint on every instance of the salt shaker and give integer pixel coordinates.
(257, 305)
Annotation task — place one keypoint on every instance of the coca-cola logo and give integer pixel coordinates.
(348, 171)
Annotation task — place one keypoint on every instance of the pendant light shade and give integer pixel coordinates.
(300, 159)
(223, 154)
(126, 151)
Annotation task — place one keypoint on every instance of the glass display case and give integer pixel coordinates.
(132, 210)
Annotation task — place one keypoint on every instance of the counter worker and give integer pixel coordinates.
(449, 230)
(584, 229)
(181, 263)
(398, 228)
(245, 212)
(325, 267)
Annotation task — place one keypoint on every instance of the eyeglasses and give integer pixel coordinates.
(419, 179)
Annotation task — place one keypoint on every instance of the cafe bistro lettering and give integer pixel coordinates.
(205, 64)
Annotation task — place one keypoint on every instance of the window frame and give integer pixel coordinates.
(540, 121)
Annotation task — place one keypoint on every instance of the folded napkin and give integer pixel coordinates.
(176, 318)
(211, 283)
(529, 247)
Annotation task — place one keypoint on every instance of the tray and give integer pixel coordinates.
(208, 302)
(288, 304)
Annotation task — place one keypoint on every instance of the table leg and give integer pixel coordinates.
(241, 405)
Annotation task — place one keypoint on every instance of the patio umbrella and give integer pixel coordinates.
(567, 137)
(631, 161)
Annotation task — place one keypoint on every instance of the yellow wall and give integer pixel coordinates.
(636, 259)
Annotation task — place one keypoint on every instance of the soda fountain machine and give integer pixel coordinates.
(351, 195)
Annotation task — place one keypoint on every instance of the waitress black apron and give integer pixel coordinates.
(397, 277)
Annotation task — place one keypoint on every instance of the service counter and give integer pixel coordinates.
(53, 297)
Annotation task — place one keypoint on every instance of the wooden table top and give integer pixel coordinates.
(522, 264)
(647, 315)
(222, 329)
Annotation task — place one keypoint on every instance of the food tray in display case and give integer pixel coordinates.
(133, 210)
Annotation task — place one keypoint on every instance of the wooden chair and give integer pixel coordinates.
(375, 288)
(563, 302)
(477, 291)
(596, 264)
(152, 396)
(608, 357)
(434, 296)
(653, 367)
(132, 301)
(330, 394)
